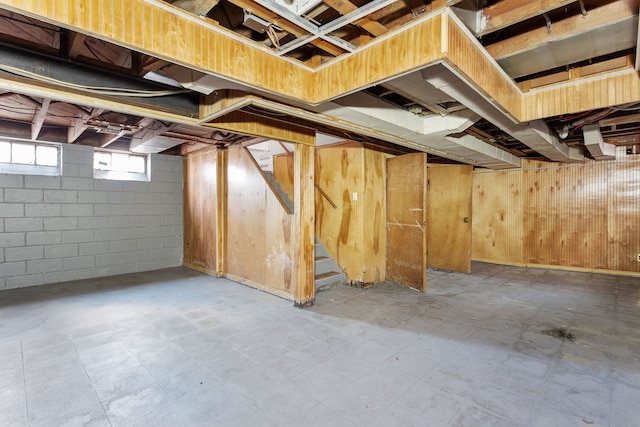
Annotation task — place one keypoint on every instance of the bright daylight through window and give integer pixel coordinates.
(29, 158)
(120, 166)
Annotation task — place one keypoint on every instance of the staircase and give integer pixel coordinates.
(328, 274)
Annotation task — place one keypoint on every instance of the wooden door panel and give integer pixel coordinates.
(406, 210)
(449, 203)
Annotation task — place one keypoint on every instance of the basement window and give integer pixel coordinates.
(29, 158)
(120, 166)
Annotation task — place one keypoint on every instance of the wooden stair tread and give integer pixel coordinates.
(328, 274)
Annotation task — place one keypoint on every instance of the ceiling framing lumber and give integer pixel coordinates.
(572, 26)
(198, 7)
(79, 125)
(38, 118)
(509, 12)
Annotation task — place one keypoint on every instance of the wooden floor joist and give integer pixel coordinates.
(185, 39)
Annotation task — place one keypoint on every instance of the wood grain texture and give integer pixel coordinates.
(582, 217)
(497, 218)
(406, 220)
(221, 212)
(178, 37)
(470, 59)
(582, 95)
(251, 124)
(354, 231)
(339, 172)
(199, 209)
(448, 204)
(374, 233)
(283, 172)
(259, 231)
(303, 226)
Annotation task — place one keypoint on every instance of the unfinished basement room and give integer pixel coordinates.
(334, 213)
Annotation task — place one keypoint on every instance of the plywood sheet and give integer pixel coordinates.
(374, 216)
(259, 242)
(339, 171)
(406, 220)
(449, 203)
(199, 209)
(497, 216)
(623, 216)
(574, 216)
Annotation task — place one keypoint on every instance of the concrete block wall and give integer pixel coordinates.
(70, 227)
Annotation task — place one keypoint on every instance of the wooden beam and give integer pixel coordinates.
(345, 7)
(149, 128)
(75, 44)
(304, 225)
(198, 7)
(257, 125)
(287, 26)
(38, 118)
(607, 14)
(79, 125)
(615, 121)
(504, 13)
(109, 139)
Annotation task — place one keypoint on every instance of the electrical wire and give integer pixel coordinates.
(114, 91)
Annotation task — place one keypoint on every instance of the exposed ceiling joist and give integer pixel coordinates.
(79, 125)
(198, 7)
(38, 118)
(504, 13)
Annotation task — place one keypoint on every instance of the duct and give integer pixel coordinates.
(199, 81)
(157, 144)
(429, 132)
(599, 149)
(535, 135)
(614, 37)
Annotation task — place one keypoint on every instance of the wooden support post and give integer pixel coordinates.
(221, 213)
(304, 292)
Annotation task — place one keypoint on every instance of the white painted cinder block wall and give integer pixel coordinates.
(69, 227)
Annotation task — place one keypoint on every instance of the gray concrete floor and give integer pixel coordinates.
(178, 348)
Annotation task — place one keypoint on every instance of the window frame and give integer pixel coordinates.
(32, 169)
(116, 175)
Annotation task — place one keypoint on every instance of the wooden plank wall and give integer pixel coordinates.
(374, 233)
(354, 231)
(259, 230)
(583, 217)
(199, 207)
(497, 216)
(448, 204)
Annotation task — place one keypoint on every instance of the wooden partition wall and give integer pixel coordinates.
(236, 227)
(352, 176)
(199, 209)
(583, 217)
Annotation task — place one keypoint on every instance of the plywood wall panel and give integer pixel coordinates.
(199, 208)
(581, 95)
(497, 232)
(259, 230)
(374, 216)
(448, 204)
(339, 171)
(624, 216)
(353, 231)
(575, 216)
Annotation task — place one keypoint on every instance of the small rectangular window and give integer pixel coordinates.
(120, 166)
(29, 158)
